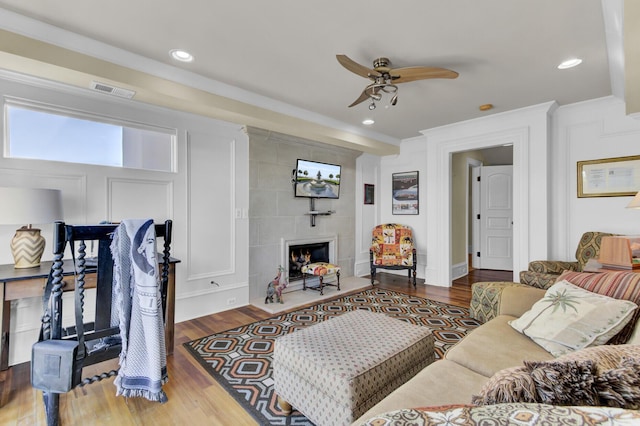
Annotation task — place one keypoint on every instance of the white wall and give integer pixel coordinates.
(589, 130)
(203, 198)
(367, 215)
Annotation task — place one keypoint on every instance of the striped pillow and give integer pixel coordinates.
(621, 285)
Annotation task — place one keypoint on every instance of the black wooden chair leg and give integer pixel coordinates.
(52, 408)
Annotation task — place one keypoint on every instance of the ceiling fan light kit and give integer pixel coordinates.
(385, 78)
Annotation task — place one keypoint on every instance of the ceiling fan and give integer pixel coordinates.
(384, 78)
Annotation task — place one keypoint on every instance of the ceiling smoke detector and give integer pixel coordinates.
(112, 90)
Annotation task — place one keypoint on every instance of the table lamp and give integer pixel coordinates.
(29, 205)
(635, 203)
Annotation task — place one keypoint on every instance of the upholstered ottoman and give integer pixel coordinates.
(334, 371)
(320, 269)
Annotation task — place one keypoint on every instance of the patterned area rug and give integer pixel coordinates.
(240, 359)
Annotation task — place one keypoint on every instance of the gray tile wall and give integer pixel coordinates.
(274, 212)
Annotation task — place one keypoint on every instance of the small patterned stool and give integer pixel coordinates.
(320, 269)
(336, 370)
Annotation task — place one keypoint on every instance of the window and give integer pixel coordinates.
(54, 134)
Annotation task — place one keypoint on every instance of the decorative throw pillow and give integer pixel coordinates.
(569, 318)
(509, 385)
(564, 383)
(623, 285)
(620, 387)
(601, 375)
(604, 357)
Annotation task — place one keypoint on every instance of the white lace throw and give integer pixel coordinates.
(137, 308)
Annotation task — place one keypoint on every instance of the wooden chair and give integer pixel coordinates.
(101, 340)
(392, 248)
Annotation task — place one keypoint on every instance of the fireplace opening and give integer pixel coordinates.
(300, 255)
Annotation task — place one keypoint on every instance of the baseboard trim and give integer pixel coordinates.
(459, 270)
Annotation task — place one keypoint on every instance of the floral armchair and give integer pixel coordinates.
(543, 273)
(392, 248)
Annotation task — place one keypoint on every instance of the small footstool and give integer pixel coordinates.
(334, 371)
(320, 269)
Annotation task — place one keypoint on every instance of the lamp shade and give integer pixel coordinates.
(635, 203)
(30, 205)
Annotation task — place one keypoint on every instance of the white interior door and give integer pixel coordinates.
(496, 217)
(475, 217)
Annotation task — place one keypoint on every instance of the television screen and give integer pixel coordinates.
(317, 180)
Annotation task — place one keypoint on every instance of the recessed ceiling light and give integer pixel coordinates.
(368, 121)
(485, 107)
(181, 55)
(570, 63)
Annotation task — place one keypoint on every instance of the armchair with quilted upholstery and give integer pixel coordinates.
(392, 248)
(543, 273)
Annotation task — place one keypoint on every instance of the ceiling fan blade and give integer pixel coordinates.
(356, 68)
(403, 75)
(363, 97)
(369, 92)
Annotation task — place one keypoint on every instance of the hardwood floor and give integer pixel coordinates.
(194, 396)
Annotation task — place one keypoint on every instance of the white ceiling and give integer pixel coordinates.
(505, 51)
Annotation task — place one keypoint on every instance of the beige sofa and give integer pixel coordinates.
(468, 365)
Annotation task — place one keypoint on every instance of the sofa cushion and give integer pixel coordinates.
(494, 346)
(568, 318)
(442, 382)
(622, 285)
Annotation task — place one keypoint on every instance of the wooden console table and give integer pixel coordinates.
(16, 284)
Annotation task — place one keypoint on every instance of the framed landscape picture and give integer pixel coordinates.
(405, 193)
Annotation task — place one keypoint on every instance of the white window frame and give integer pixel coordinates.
(47, 108)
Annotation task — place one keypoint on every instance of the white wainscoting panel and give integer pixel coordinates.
(211, 202)
(139, 198)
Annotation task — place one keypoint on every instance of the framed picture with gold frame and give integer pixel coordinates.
(609, 177)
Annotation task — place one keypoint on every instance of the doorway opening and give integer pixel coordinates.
(469, 236)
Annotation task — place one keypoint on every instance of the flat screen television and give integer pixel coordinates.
(316, 180)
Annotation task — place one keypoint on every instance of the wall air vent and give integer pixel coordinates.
(112, 90)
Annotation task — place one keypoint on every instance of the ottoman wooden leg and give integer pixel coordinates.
(285, 406)
(321, 285)
(338, 275)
